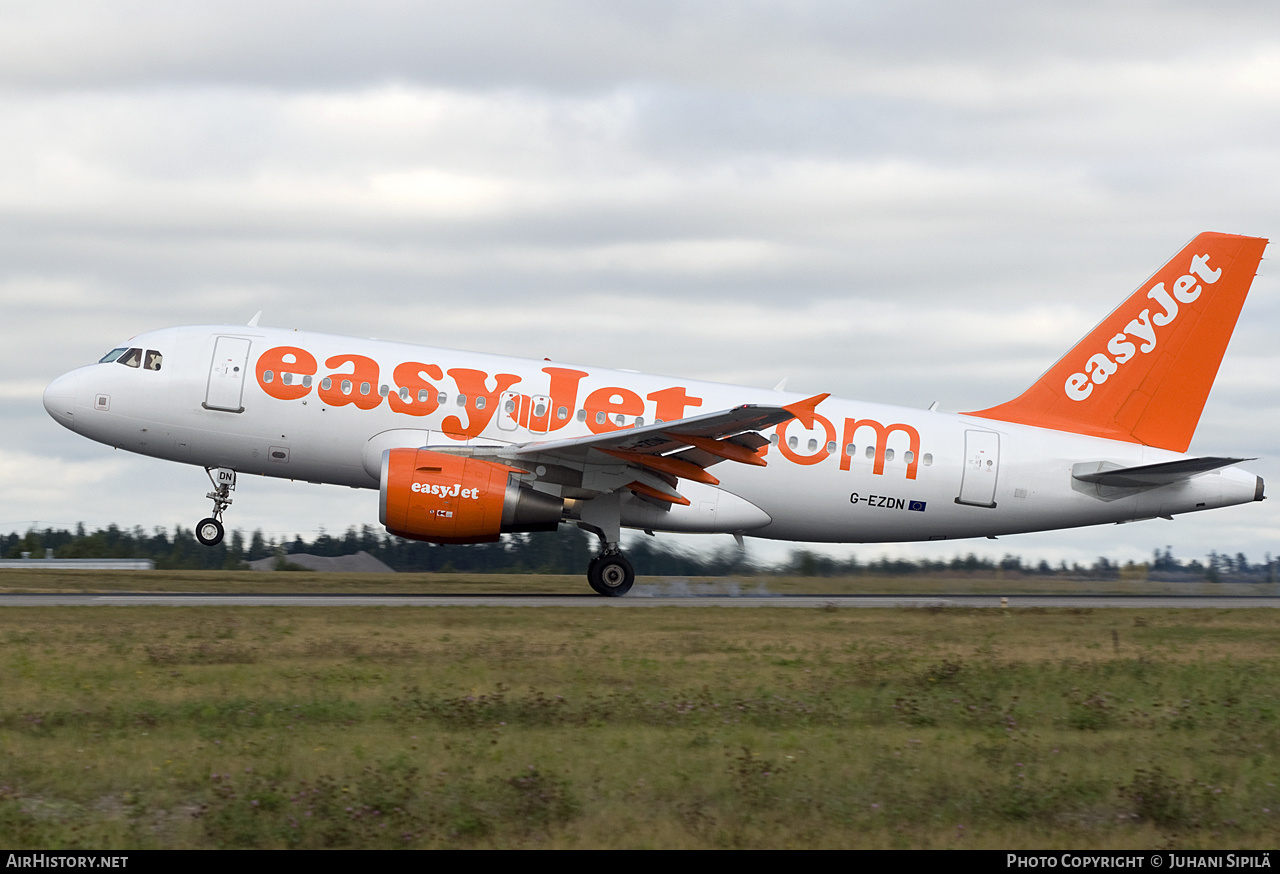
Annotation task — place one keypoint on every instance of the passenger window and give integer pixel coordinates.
(132, 358)
(111, 356)
(153, 359)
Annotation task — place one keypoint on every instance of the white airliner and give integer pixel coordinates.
(464, 447)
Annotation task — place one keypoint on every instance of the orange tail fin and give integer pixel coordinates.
(1144, 373)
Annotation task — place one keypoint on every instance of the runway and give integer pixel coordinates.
(829, 602)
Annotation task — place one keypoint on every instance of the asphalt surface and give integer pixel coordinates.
(127, 599)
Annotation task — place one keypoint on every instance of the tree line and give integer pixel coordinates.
(569, 550)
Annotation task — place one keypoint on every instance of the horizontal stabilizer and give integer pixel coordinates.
(1150, 475)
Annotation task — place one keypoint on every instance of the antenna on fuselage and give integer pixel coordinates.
(253, 323)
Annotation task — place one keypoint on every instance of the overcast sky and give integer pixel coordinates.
(901, 203)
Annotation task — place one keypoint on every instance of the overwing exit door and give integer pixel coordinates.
(509, 410)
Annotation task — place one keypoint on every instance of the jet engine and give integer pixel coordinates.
(443, 498)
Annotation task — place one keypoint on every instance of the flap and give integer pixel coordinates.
(658, 454)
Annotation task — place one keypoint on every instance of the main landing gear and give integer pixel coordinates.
(610, 574)
(210, 531)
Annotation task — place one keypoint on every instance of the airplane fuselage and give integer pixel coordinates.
(324, 408)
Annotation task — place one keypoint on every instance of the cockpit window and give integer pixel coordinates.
(153, 360)
(111, 356)
(132, 358)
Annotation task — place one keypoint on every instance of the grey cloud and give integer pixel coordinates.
(576, 45)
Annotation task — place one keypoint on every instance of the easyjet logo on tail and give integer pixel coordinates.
(1140, 334)
(1143, 373)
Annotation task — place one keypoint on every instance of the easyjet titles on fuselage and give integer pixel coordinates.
(288, 373)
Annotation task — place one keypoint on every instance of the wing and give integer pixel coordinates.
(649, 460)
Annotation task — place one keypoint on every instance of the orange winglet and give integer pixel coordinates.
(650, 492)
(723, 449)
(805, 410)
(677, 467)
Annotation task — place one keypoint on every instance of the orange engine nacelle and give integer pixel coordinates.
(442, 498)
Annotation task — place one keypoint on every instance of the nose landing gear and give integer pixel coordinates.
(210, 531)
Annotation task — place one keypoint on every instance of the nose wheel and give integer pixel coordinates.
(210, 530)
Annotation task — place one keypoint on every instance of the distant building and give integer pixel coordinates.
(49, 563)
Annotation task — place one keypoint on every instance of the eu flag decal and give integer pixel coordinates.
(918, 506)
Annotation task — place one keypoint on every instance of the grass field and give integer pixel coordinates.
(576, 584)
(133, 727)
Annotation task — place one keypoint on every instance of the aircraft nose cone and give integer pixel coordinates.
(60, 398)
